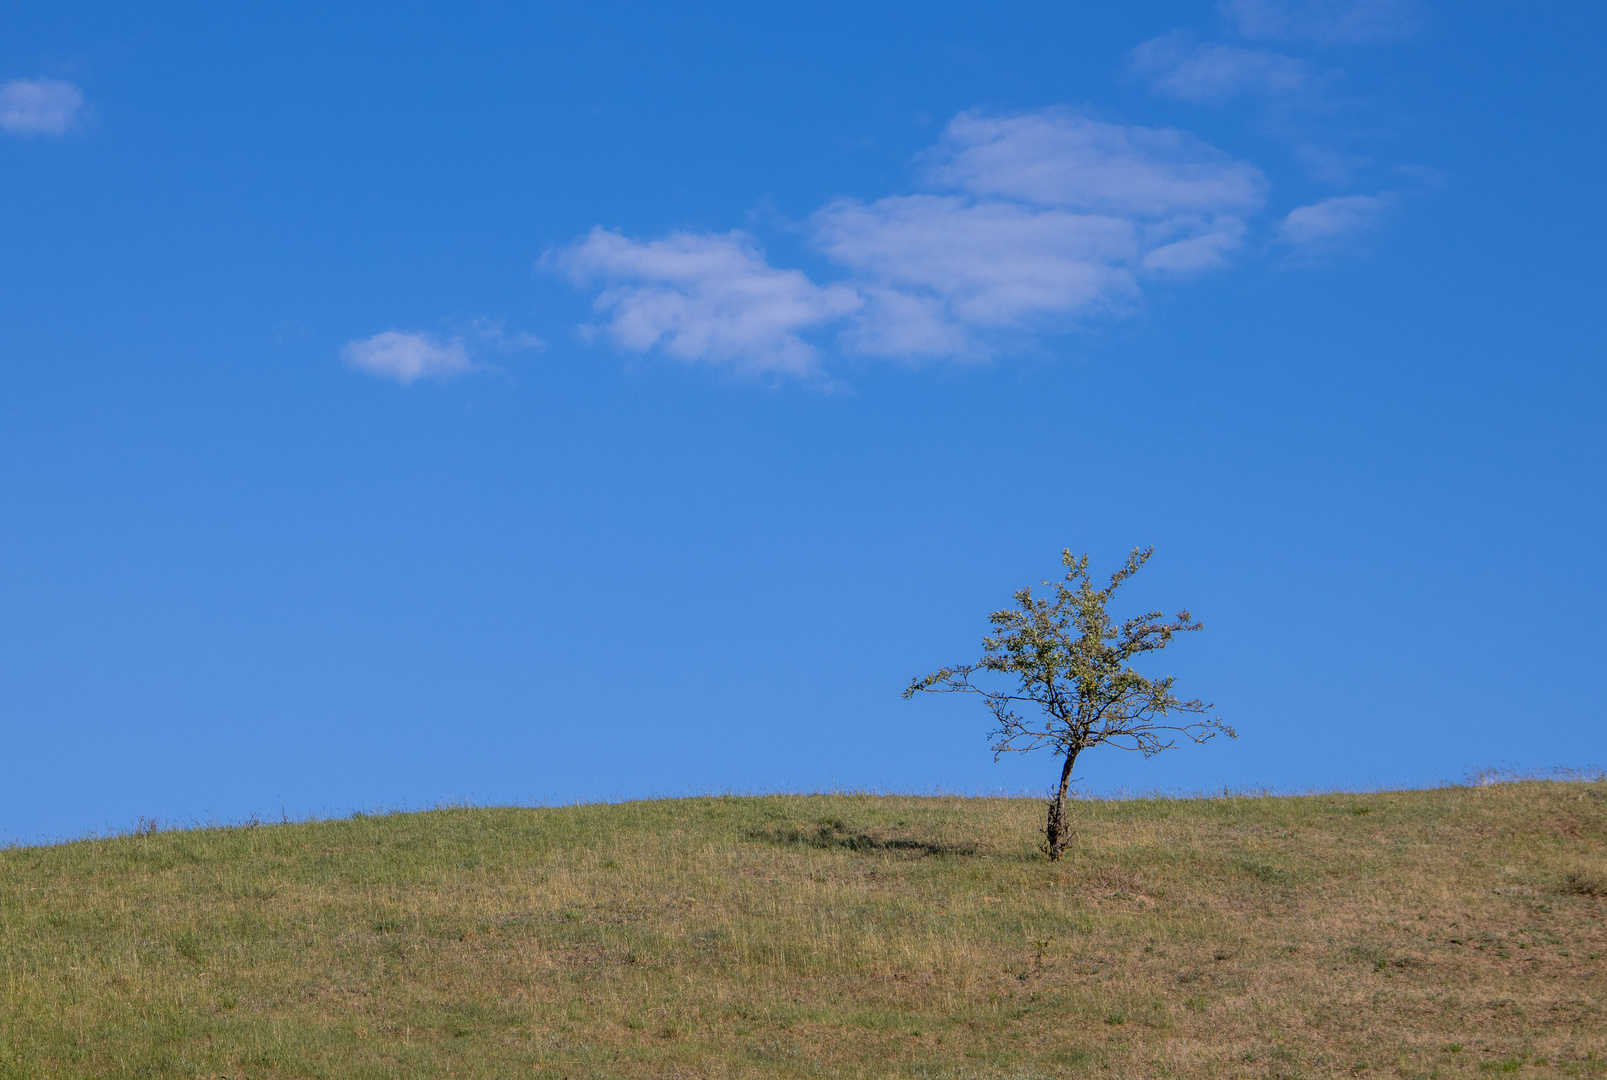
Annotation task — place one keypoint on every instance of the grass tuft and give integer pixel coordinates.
(1585, 883)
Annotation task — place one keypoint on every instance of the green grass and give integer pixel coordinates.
(1460, 931)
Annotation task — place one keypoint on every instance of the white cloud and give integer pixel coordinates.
(1056, 158)
(1048, 216)
(1180, 67)
(1332, 222)
(954, 265)
(1027, 221)
(38, 106)
(705, 298)
(1329, 21)
(407, 355)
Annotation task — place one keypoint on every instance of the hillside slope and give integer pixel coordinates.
(1423, 933)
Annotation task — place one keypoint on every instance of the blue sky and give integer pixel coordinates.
(531, 404)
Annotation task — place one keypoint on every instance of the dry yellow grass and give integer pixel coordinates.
(1428, 933)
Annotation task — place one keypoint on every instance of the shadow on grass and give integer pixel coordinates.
(833, 833)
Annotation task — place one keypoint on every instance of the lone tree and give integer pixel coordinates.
(1070, 661)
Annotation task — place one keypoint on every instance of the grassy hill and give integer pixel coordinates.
(1459, 931)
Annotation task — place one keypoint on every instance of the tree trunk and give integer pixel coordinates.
(1057, 832)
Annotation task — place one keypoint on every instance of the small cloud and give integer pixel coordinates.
(494, 334)
(1179, 67)
(1332, 223)
(1326, 21)
(408, 355)
(1054, 157)
(1202, 249)
(704, 298)
(39, 106)
(1039, 218)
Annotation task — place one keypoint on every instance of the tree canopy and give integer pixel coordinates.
(1073, 683)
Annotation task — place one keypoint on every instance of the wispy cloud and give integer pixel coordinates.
(1326, 21)
(407, 356)
(1331, 166)
(39, 106)
(701, 297)
(1025, 221)
(1047, 216)
(500, 338)
(1333, 223)
(935, 270)
(1209, 73)
(1054, 157)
